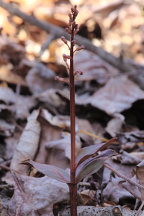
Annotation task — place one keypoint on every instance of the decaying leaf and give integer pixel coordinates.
(114, 126)
(18, 104)
(116, 96)
(10, 51)
(42, 76)
(22, 106)
(28, 143)
(64, 144)
(140, 176)
(93, 67)
(6, 129)
(34, 196)
(87, 196)
(7, 76)
(50, 132)
(131, 188)
(7, 95)
(113, 185)
(57, 121)
(129, 140)
(116, 193)
(127, 158)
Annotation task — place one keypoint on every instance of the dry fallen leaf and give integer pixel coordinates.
(129, 140)
(42, 76)
(140, 175)
(18, 104)
(28, 143)
(116, 96)
(114, 126)
(93, 68)
(34, 196)
(6, 129)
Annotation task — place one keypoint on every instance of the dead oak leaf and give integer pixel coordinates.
(116, 96)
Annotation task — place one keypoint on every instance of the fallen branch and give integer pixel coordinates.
(57, 32)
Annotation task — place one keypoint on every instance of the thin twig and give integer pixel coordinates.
(139, 210)
(124, 177)
(47, 43)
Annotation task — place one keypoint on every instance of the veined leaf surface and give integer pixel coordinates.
(50, 171)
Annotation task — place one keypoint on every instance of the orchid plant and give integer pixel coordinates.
(90, 159)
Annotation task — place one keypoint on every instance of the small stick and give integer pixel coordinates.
(139, 210)
(124, 177)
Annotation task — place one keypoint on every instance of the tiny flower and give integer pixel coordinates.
(78, 72)
(61, 79)
(68, 30)
(79, 48)
(74, 42)
(76, 30)
(65, 57)
(63, 39)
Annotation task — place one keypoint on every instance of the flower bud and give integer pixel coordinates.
(76, 30)
(74, 42)
(80, 48)
(65, 57)
(68, 30)
(78, 72)
(63, 39)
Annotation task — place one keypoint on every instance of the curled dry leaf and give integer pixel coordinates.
(116, 96)
(28, 143)
(58, 121)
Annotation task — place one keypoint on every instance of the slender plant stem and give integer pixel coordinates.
(73, 185)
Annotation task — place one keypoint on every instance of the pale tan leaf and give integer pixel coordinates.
(116, 96)
(33, 196)
(28, 143)
(93, 67)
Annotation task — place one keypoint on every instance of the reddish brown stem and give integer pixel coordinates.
(72, 30)
(73, 185)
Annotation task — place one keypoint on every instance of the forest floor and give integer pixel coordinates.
(34, 106)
